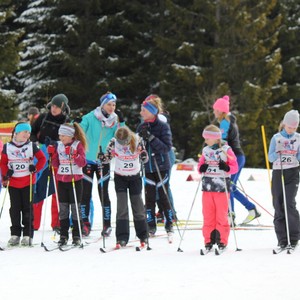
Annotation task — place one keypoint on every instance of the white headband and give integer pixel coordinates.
(66, 130)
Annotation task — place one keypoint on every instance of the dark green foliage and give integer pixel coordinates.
(190, 52)
(9, 61)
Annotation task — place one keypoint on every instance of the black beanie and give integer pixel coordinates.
(60, 101)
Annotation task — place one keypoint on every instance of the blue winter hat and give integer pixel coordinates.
(108, 97)
(22, 127)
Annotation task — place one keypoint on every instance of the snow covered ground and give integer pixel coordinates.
(163, 272)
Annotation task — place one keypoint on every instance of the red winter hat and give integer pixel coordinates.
(222, 104)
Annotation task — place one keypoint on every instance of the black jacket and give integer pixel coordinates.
(47, 125)
(159, 146)
(233, 138)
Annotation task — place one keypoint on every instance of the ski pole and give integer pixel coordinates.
(144, 184)
(7, 186)
(56, 196)
(230, 208)
(75, 200)
(165, 191)
(100, 155)
(243, 190)
(188, 218)
(45, 204)
(30, 208)
(285, 204)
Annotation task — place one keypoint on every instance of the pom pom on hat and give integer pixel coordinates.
(222, 104)
(291, 119)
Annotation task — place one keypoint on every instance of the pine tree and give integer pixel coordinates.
(289, 44)
(9, 60)
(35, 77)
(212, 48)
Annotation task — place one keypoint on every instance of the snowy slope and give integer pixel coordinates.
(163, 272)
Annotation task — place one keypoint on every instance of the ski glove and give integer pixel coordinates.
(146, 135)
(51, 149)
(9, 173)
(144, 156)
(103, 158)
(71, 151)
(120, 115)
(32, 168)
(223, 166)
(203, 168)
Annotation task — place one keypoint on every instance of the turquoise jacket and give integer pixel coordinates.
(97, 135)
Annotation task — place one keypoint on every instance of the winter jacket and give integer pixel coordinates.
(159, 146)
(79, 160)
(97, 135)
(47, 125)
(230, 133)
(20, 182)
(289, 147)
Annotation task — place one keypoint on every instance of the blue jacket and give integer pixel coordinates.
(158, 147)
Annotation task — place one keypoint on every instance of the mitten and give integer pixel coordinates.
(144, 156)
(223, 166)
(51, 149)
(102, 157)
(146, 135)
(120, 115)
(4, 183)
(32, 168)
(71, 151)
(203, 168)
(9, 173)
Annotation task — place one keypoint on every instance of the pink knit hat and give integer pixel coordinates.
(222, 104)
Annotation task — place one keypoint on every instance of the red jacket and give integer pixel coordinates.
(20, 182)
(80, 161)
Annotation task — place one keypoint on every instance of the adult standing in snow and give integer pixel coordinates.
(99, 126)
(158, 142)
(284, 153)
(230, 133)
(45, 132)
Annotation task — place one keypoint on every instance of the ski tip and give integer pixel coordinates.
(238, 249)
(179, 250)
(137, 249)
(102, 250)
(217, 252)
(148, 248)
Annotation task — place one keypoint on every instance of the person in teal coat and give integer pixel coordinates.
(99, 126)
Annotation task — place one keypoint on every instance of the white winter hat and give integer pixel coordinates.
(291, 119)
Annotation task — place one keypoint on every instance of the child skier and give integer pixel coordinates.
(216, 164)
(284, 153)
(69, 158)
(19, 177)
(128, 153)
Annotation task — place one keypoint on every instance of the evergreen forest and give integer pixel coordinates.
(189, 52)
